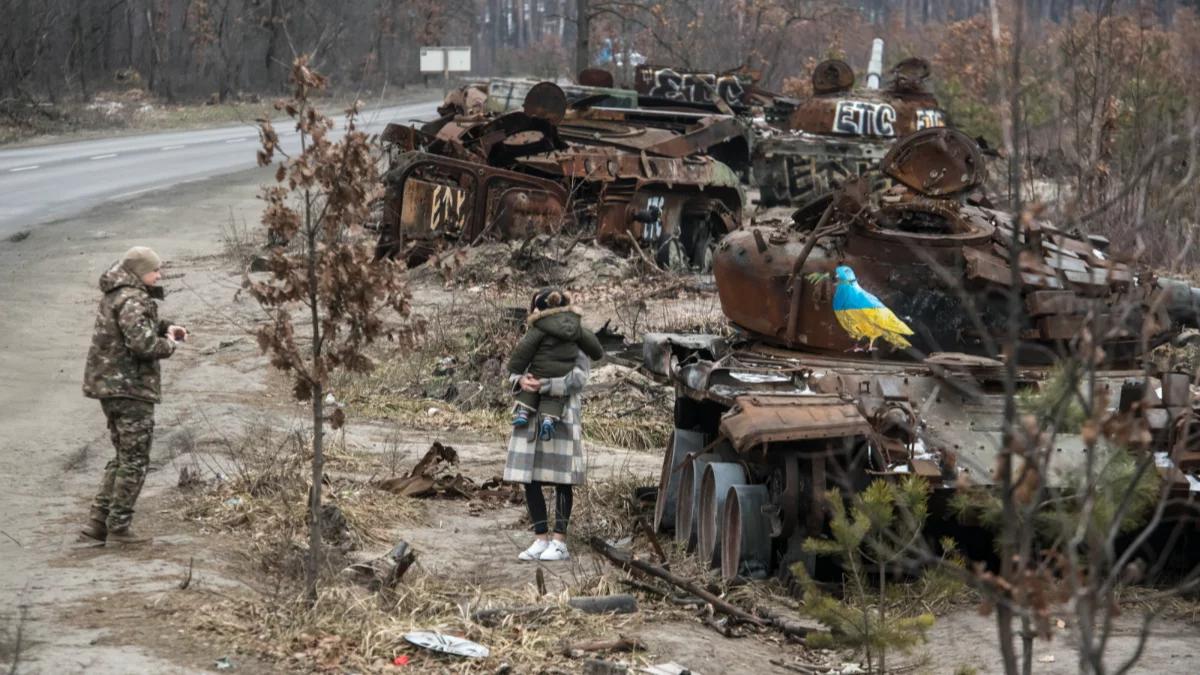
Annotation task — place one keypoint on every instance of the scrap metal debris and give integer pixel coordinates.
(433, 478)
(384, 572)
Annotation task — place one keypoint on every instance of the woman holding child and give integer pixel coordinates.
(548, 370)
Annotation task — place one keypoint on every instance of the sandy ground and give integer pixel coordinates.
(94, 610)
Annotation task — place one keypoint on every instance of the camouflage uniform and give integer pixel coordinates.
(123, 372)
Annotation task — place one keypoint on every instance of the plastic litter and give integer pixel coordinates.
(447, 644)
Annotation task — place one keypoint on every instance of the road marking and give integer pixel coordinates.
(237, 140)
(109, 155)
(25, 168)
(123, 195)
(172, 147)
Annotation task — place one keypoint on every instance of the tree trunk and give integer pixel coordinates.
(313, 563)
(318, 402)
(583, 32)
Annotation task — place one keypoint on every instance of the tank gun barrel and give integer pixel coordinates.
(875, 68)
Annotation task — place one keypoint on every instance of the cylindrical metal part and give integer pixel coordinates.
(875, 69)
(1177, 390)
(682, 443)
(718, 478)
(746, 539)
(686, 508)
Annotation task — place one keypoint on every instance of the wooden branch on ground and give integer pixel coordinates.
(649, 532)
(598, 604)
(628, 563)
(650, 265)
(618, 644)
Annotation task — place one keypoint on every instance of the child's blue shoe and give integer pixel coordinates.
(521, 417)
(547, 430)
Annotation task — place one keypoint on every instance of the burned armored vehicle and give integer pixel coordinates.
(868, 341)
(627, 176)
(842, 131)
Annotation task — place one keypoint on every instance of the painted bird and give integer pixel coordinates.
(863, 315)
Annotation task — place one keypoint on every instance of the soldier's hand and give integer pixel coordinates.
(177, 333)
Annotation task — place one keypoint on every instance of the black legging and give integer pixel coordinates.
(536, 502)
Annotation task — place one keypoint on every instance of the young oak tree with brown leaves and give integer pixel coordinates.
(321, 266)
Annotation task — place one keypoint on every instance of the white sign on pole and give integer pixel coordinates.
(445, 59)
(460, 59)
(432, 59)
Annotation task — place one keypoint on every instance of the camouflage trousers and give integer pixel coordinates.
(131, 427)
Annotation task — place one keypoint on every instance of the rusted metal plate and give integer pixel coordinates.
(936, 162)
(985, 266)
(430, 209)
(1055, 302)
(758, 420)
(430, 196)
(1059, 327)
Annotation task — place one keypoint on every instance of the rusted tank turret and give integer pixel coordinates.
(869, 341)
(842, 131)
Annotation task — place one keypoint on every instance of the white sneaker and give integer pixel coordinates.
(534, 551)
(555, 550)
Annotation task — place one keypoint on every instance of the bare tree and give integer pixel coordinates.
(318, 206)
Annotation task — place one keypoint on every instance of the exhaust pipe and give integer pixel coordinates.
(875, 69)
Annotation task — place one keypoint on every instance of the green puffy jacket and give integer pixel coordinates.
(555, 337)
(127, 342)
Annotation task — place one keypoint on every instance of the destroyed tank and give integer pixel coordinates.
(866, 344)
(842, 131)
(630, 176)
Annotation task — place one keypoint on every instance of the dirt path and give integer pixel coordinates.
(53, 439)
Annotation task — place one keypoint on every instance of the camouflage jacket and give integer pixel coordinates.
(127, 342)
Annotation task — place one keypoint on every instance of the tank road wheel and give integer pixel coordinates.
(745, 547)
(714, 487)
(795, 513)
(682, 445)
(687, 504)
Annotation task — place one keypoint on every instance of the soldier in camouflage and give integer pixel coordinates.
(123, 372)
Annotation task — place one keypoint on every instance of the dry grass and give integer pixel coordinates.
(461, 350)
(265, 499)
(351, 630)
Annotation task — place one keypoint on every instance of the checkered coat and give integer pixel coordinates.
(559, 460)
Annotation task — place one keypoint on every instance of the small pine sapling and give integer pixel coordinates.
(879, 525)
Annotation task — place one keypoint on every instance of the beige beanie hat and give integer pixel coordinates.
(141, 260)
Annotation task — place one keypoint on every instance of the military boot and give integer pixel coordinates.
(125, 536)
(95, 530)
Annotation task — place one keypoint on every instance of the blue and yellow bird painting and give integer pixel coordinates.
(863, 315)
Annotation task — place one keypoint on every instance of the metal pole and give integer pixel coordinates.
(445, 71)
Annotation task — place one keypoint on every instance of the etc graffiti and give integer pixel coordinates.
(860, 118)
(928, 118)
(446, 208)
(695, 87)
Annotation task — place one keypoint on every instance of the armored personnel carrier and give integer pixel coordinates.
(869, 340)
(630, 176)
(842, 131)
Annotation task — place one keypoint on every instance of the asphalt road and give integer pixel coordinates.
(44, 183)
